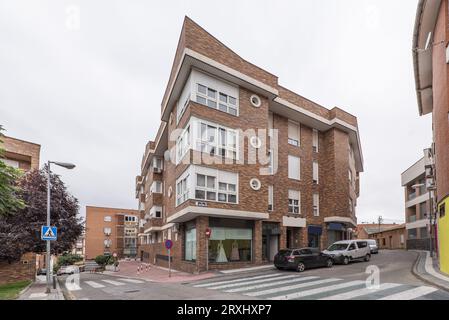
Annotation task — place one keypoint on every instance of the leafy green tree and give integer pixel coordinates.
(104, 260)
(9, 200)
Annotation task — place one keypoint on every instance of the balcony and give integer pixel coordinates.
(153, 223)
(411, 218)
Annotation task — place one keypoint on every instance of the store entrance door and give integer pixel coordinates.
(270, 240)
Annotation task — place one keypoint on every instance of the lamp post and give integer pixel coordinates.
(67, 166)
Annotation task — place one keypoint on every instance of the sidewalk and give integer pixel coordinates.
(426, 269)
(154, 273)
(37, 291)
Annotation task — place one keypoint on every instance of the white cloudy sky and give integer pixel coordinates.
(91, 95)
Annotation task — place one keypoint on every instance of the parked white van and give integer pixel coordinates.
(349, 250)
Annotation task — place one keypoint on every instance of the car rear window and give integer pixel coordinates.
(285, 252)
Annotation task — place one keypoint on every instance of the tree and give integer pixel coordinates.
(20, 232)
(9, 201)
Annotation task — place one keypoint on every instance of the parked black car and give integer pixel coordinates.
(302, 259)
(42, 272)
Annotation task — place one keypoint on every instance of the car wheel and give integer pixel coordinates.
(346, 260)
(367, 257)
(329, 263)
(301, 267)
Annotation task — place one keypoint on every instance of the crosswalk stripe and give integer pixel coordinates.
(410, 294)
(292, 287)
(306, 293)
(361, 292)
(202, 285)
(251, 282)
(131, 280)
(115, 283)
(94, 284)
(270, 284)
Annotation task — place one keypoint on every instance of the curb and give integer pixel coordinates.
(65, 293)
(418, 276)
(24, 290)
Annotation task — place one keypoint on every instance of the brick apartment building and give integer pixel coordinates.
(25, 156)
(219, 113)
(431, 58)
(111, 230)
(418, 205)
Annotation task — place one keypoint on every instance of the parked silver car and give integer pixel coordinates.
(349, 250)
(373, 246)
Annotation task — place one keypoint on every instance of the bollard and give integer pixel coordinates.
(54, 281)
(138, 269)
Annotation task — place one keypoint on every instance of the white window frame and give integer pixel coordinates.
(315, 172)
(290, 169)
(316, 204)
(154, 188)
(107, 231)
(182, 189)
(183, 144)
(270, 198)
(294, 205)
(291, 140)
(315, 140)
(215, 102)
(158, 163)
(107, 219)
(215, 189)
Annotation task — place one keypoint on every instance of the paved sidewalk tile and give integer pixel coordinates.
(427, 269)
(37, 291)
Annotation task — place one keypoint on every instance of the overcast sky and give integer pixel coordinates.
(89, 89)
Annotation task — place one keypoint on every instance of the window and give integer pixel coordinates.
(107, 243)
(442, 210)
(130, 218)
(362, 244)
(351, 206)
(271, 161)
(352, 247)
(315, 171)
(270, 198)
(183, 144)
(130, 232)
(293, 202)
(158, 213)
(156, 187)
(294, 167)
(182, 191)
(424, 233)
(315, 139)
(157, 163)
(11, 163)
(190, 243)
(230, 244)
(293, 133)
(216, 100)
(107, 231)
(216, 140)
(316, 204)
(107, 219)
(207, 188)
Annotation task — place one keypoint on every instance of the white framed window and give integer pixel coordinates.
(294, 167)
(107, 243)
(107, 219)
(130, 218)
(294, 133)
(183, 144)
(107, 231)
(182, 190)
(156, 187)
(158, 163)
(294, 202)
(315, 171)
(214, 99)
(316, 204)
(216, 140)
(208, 187)
(270, 198)
(156, 212)
(315, 140)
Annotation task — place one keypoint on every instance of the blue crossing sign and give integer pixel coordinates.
(49, 233)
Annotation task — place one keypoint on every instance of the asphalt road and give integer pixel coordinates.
(338, 282)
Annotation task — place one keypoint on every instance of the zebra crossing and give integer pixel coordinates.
(284, 286)
(101, 283)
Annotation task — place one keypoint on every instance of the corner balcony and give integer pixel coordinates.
(153, 224)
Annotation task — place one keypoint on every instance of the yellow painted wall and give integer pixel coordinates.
(443, 235)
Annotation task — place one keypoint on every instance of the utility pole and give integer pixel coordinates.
(379, 221)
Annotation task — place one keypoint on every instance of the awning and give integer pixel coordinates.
(336, 226)
(315, 230)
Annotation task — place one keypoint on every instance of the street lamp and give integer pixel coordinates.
(67, 166)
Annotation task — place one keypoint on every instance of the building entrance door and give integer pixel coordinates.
(270, 240)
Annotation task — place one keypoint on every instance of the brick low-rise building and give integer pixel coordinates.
(390, 238)
(259, 166)
(109, 231)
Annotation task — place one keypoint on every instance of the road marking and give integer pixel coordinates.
(297, 286)
(361, 292)
(202, 285)
(410, 294)
(306, 293)
(94, 284)
(270, 284)
(115, 283)
(252, 281)
(131, 280)
(72, 286)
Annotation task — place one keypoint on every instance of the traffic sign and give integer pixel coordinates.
(208, 232)
(168, 244)
(49, 233)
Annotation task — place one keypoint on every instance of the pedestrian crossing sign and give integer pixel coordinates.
(49, 233)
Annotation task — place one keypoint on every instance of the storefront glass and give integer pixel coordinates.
(190, 243)
(230, 244)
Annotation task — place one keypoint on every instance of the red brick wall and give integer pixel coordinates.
(25, 269)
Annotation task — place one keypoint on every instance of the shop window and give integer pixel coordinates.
(190, 243)
(230, 244)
